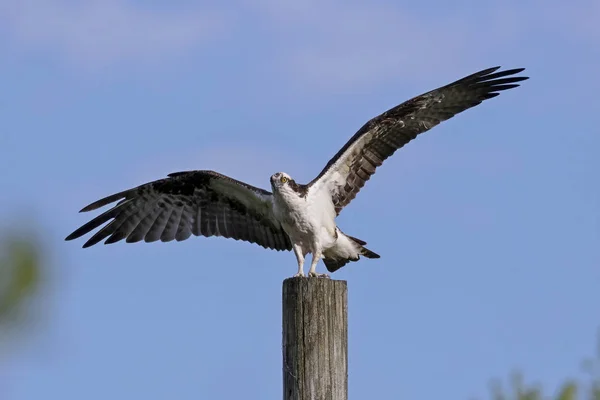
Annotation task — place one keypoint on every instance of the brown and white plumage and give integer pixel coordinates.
(202, 203)
(349, 170)
(295, 216)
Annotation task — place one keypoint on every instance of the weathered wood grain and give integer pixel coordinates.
(315, 339)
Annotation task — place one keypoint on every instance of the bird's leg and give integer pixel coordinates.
(300, 259)
(313, 266)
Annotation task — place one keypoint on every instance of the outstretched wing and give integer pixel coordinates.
(203, 203)
(348, 171)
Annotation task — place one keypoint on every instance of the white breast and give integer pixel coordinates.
(307, 220)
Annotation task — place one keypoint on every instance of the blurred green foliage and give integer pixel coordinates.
(571, 389)
(520, 391)
(20, 276)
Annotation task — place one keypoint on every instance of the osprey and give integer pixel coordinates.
(298, 217)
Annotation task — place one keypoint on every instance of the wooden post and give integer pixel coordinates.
(315, 339)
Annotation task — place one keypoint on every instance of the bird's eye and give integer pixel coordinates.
(284, 179)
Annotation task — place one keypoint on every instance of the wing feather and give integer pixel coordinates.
(103, 233)
(158, 226)
(140, 232)
(349, 170)
(200, 203)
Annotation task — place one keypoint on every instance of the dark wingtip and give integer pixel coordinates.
(488, 71)
(93, 206)
(516, 70)
(510, 71)
(96, 222)
(493, 82)
(492, 74)
(105, 201)
(91, 241)
(71, 237)
(506, 71)
(76, 235)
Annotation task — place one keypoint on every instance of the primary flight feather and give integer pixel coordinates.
(294, 216)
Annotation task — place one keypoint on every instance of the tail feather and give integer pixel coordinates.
(363, 250)
(357, 240)
(368, 253)
(333, 263)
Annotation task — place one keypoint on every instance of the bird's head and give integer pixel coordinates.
(283, 184)
(280, 180)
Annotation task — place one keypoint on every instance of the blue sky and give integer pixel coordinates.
(488, 225)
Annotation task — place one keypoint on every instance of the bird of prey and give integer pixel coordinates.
(294, 216)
